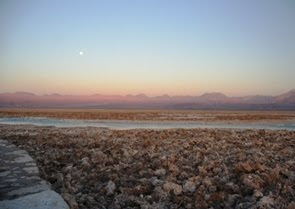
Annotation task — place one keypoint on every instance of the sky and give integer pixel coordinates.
(175, 47)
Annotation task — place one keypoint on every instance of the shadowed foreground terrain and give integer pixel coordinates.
(197, 168)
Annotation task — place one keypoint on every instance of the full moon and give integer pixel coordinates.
(81, 53)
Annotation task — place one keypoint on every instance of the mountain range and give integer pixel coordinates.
(213, 100)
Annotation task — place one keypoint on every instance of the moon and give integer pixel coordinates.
(81, 53)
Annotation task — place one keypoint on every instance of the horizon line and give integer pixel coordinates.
(140, 94)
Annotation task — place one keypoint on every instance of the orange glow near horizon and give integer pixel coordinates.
(124, 87)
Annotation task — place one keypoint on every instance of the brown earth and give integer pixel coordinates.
(197, 168)
(155, 115)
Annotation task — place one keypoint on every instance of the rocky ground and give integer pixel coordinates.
(197, 168)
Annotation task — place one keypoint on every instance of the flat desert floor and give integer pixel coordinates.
(175, 168)
(152, 115)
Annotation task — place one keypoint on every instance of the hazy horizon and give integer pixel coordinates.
(144, 94)
(151, 47)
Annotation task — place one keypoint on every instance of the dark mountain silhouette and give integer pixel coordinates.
(213, 100)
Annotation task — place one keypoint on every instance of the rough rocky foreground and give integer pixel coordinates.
(197, 168)
(20, 184)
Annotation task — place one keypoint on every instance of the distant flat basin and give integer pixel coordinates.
(128, 124)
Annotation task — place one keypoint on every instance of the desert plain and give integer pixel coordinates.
(94, 167)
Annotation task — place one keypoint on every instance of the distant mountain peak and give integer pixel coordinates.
(288, 98)
(137, 95)
(55, 95)
(164, 96)
(23, 93)
(213, 95)
(141, 95)
(289, 93)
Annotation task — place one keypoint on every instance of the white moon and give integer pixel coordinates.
(81, 53)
